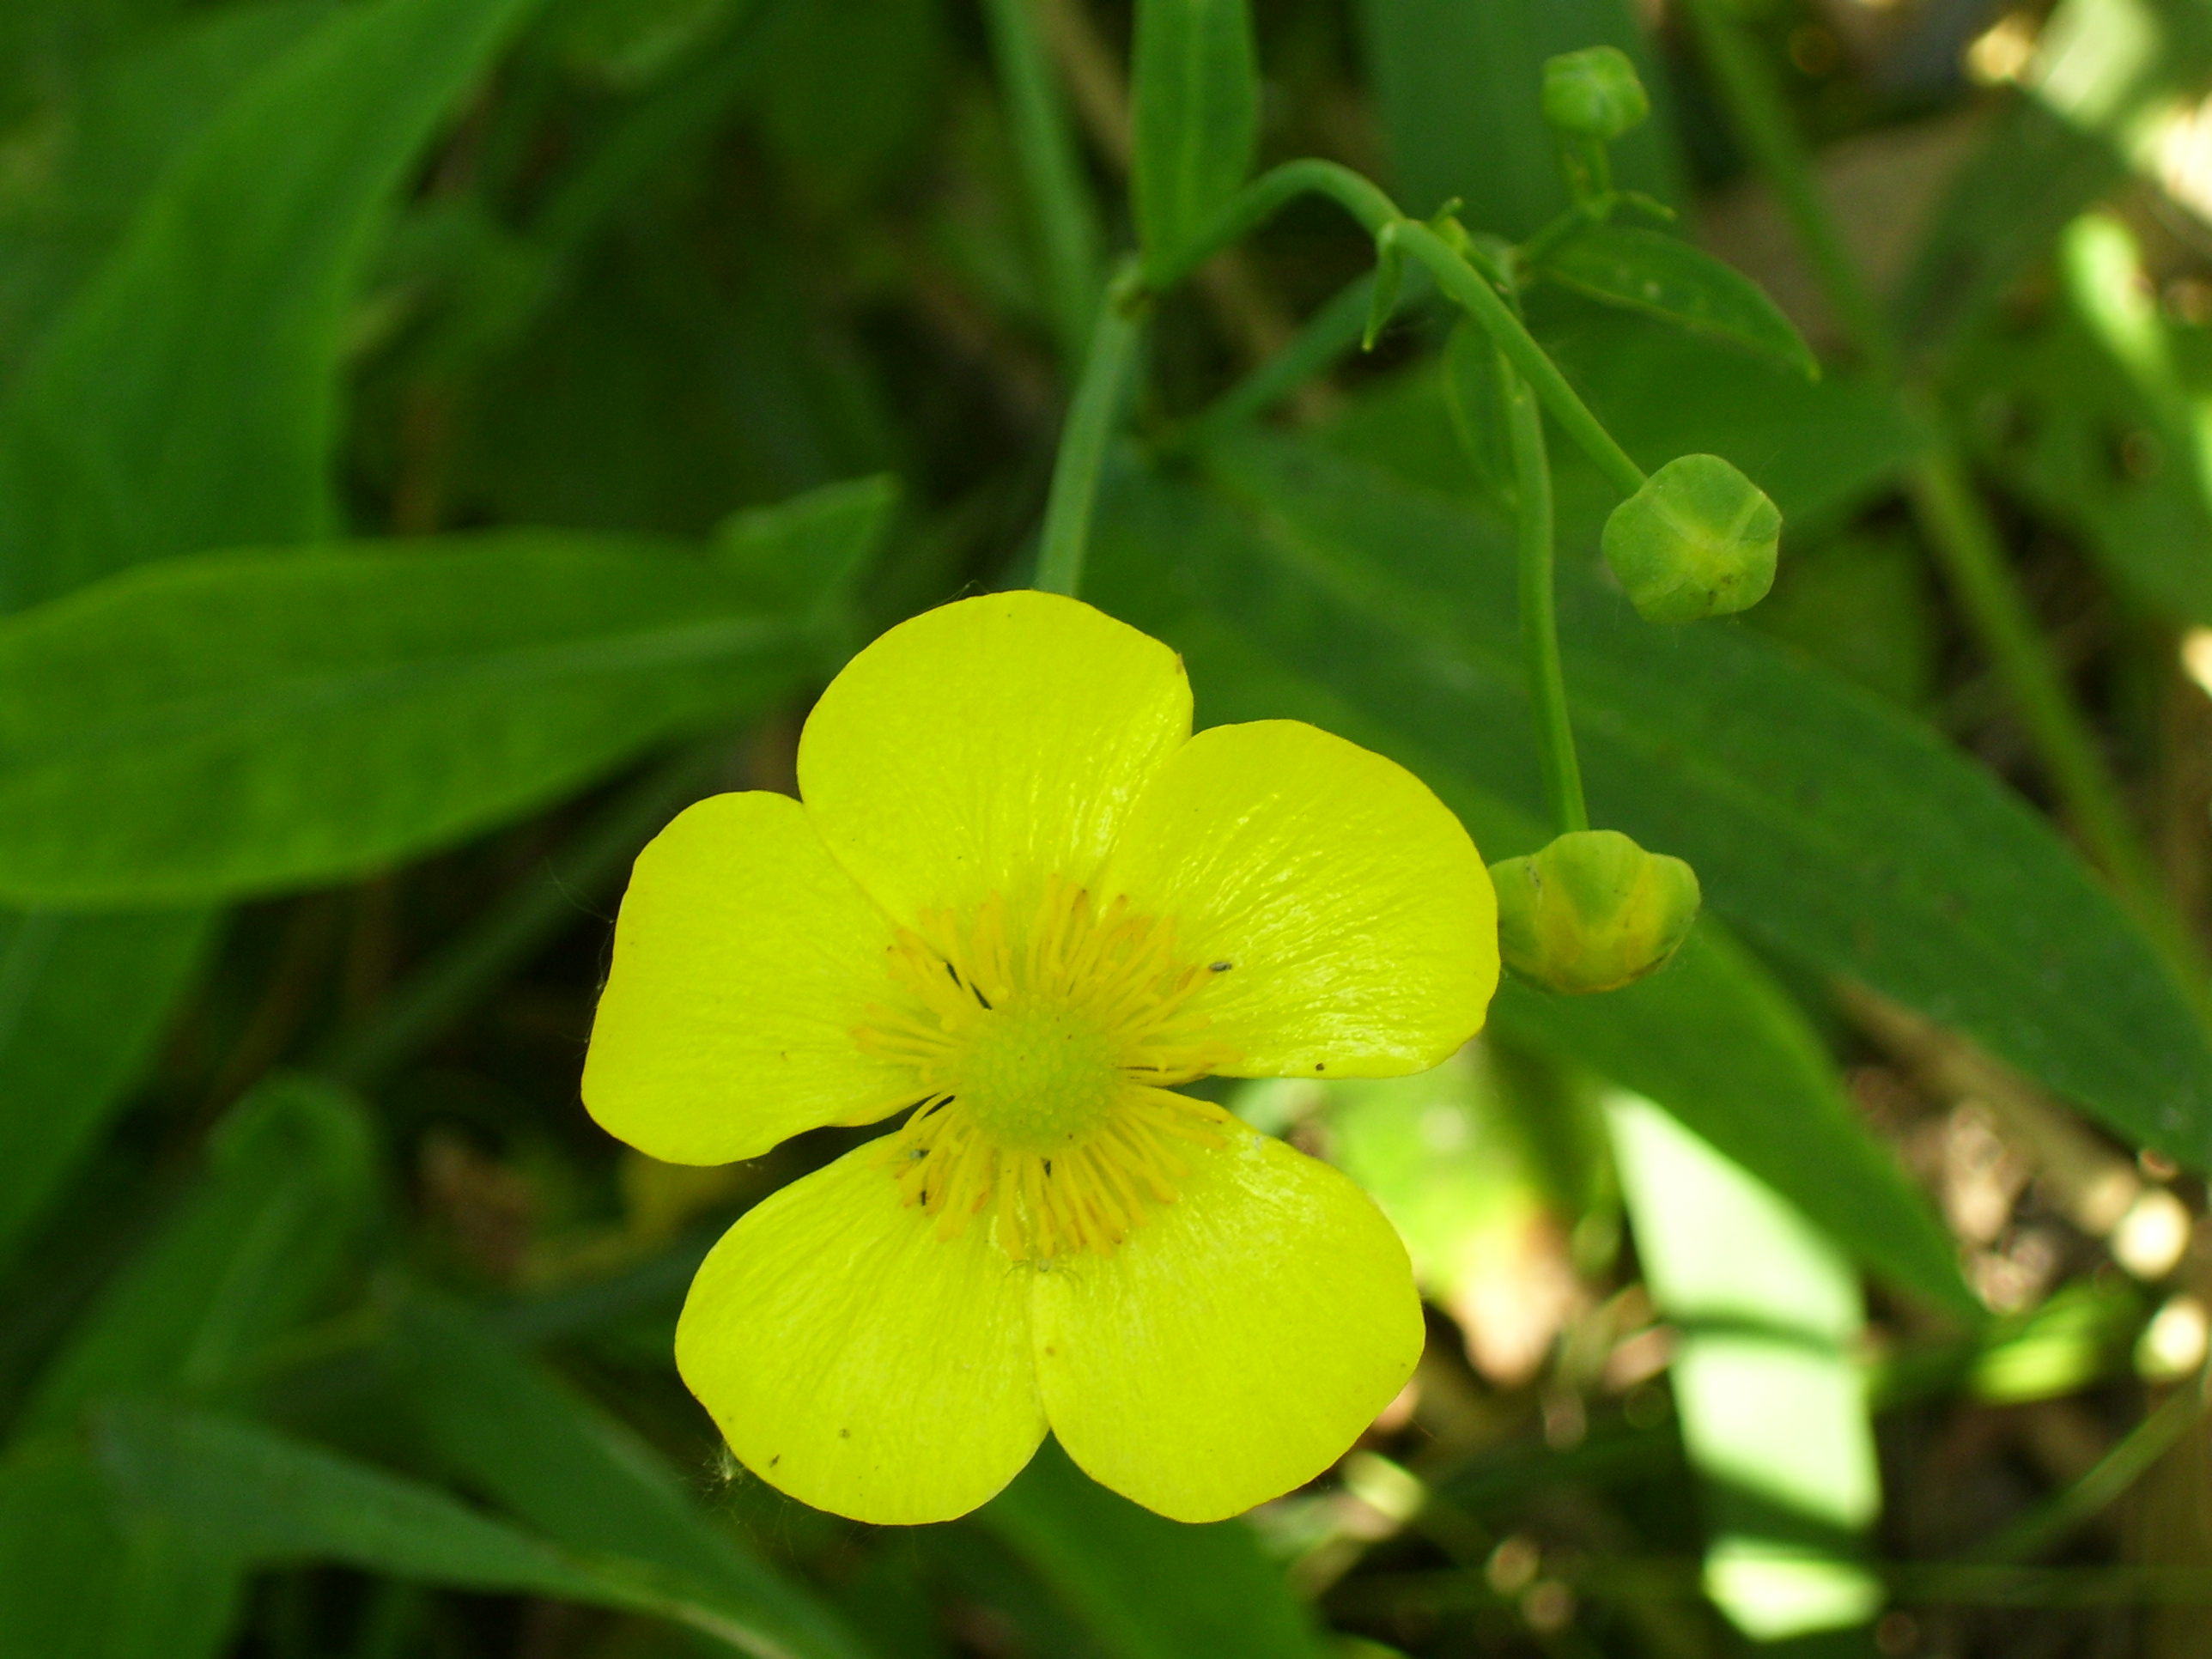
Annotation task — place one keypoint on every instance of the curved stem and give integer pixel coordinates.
(1540, 626)
(1376, 212)
(1082, 441)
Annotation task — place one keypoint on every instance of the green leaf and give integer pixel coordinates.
(1715, 1041)
(584, 1479)
(1663, 277)
(1766, 1379)
(288, 1188)
(231, 723)
(1196, 113)
(188, 397)
(810, 551)
(269, 1499)
(79, 1580)
(127, 122)
(1712, 1038)
(1822, 450)
(1460, 88)
(1817, 817)
(1148, 1588)
(83, 1001)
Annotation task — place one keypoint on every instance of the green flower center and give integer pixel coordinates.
(1037, 1075)
(1043, 1054)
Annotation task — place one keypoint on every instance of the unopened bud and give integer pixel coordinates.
(1697, 540)
(1593, 93)
(1592, 912)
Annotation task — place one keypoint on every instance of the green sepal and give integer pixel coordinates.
(1700, 539)
(1592, 912)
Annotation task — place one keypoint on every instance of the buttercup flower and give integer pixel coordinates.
(1023, 900)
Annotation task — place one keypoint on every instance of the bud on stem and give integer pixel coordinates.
(1592, 912)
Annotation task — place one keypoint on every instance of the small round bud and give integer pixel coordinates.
(1593, 92)
(1592, 912)
(1697, 540)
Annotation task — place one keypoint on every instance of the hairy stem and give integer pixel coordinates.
(1082, 441)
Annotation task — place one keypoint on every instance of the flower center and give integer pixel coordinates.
(1044, 1049)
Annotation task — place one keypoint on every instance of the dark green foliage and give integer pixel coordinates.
(439, 439)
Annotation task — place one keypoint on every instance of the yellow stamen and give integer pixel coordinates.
(1044, 1052)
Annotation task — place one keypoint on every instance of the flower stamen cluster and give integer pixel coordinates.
(1044, 1056)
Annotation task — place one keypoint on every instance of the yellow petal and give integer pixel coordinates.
(1355, 914)
(984, 745)
(856, 1360)
(1237, 1343)
(743, 958)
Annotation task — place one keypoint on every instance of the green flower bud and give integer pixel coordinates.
(1697, 540)
(1592, 912)
(1593, 92)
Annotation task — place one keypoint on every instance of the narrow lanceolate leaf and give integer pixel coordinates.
(1713, 1039)
(83, 1001)
(1767, 1379)
(80, 1579)
(1816, 816)
(508, 1427)
(1196, 119)
(232, 723)
(1147, 1588)
(274, 1500)
(1663, 277)
(255, 1241)
(188, 397)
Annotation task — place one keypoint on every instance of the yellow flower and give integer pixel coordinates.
(1022, 899)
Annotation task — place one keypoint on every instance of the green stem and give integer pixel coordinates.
(1519, 347)
(1082, 441)
(1540, 626)
(1327, 334)
(1765, 124)
(1966, 546)
(522, 921)
(1052, 171)
(2102, 1485)
(1376, 212)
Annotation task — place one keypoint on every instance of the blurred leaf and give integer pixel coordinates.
(77, 1581)
(2107, 76)
(228, 306)
(270, 1499)
(810, 551)
(852, 88)
(83, 1001)
(240, 722)
(1711, 1038)
(647, 399)
(1459, 83)
(2050, 403)
(1817, 817)
(1716, 1043)
(125, 124)
(288, 1188)
(1147, 1587)
(1664, 277)
(1859, 604)
(1766, 1380)
(1195, 117)
(591, 1485)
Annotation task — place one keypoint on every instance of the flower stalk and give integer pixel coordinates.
(1534, 540)
(1065, 540)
